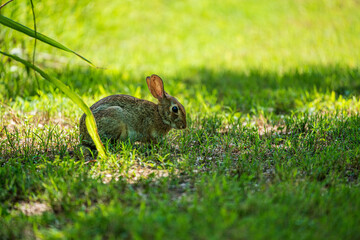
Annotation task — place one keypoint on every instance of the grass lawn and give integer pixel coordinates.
(272, 149)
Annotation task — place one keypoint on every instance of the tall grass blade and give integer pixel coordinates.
(35, 30)
(21, 28)
(90, 120)
(3, 5)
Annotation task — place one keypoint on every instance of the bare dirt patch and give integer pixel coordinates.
(136, 173)
(33, 208)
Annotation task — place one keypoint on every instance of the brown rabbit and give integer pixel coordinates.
(123, 117)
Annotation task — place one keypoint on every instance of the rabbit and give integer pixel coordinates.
(123, 117)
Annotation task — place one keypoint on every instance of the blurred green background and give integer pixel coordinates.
(249, 56)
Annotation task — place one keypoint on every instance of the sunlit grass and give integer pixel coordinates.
(271, 89)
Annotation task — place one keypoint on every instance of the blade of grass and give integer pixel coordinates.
(34, 50)
(6, 4)
(90, 120)
(21, 28)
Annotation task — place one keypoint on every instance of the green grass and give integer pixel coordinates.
(271, 89)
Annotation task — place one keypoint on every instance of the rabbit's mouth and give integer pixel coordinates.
(179, 125)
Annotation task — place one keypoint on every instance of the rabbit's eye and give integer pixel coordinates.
(175, 109)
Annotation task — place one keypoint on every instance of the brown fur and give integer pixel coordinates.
(123, 117)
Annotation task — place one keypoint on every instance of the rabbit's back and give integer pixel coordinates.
(116, 100)
(133, 112)
(122, 117)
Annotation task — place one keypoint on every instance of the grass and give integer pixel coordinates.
(271, 90)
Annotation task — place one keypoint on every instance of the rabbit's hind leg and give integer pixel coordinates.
(110, 123)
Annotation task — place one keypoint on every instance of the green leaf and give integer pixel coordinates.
(90, 120)
(21, 28)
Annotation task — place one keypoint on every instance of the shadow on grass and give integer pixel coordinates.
(253, 90)
(277, 92)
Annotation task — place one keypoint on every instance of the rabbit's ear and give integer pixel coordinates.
(156, 86)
